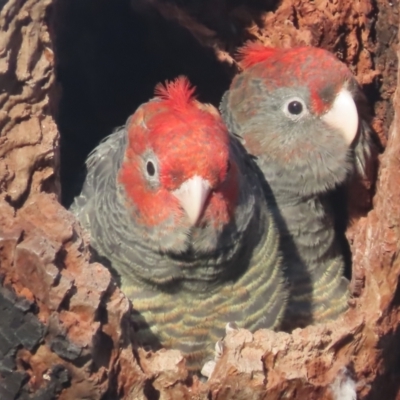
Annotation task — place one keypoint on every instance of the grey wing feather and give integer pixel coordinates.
(102, 164)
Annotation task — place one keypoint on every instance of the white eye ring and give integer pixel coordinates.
(295, 108)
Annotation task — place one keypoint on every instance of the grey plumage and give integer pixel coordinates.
(185, 282)
(303, 160)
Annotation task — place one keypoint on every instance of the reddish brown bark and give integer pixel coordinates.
(65, 333)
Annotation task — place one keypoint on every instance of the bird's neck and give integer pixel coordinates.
(306, 225)
(193, 261)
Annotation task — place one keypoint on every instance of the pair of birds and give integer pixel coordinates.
(207, 220)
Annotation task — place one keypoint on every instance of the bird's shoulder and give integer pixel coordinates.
(108, 151)
(102, 165)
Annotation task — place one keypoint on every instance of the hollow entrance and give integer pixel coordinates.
(111, 54)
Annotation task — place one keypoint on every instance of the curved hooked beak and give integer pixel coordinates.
(343, 115)
(192, 195)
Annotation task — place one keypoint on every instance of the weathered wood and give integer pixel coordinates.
(63, 322)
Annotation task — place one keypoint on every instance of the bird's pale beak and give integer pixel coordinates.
(192, 195)
(343, 115)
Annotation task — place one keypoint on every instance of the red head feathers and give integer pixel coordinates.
(316, 68)
(178, 127)
(254, 52)
(184, 140)
(178, 93)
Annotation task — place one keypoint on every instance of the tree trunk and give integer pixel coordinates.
(72, 70)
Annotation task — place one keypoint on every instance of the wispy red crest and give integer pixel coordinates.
(178, 93)
(253, 52)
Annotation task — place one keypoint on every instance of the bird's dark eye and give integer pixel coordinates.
(151, 169)
(295, 107)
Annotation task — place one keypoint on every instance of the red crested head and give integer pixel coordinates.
(254, 52)
(298, 109)
(177, 94)
(177, 155)
(317, 69)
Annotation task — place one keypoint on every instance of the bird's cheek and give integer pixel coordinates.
(217, 212)
(157, 207)
(253, 144)
(221, 206)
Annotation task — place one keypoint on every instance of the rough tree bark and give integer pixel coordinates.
(63, 329)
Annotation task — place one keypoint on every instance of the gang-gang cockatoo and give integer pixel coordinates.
(171, 200)
(302, 115)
